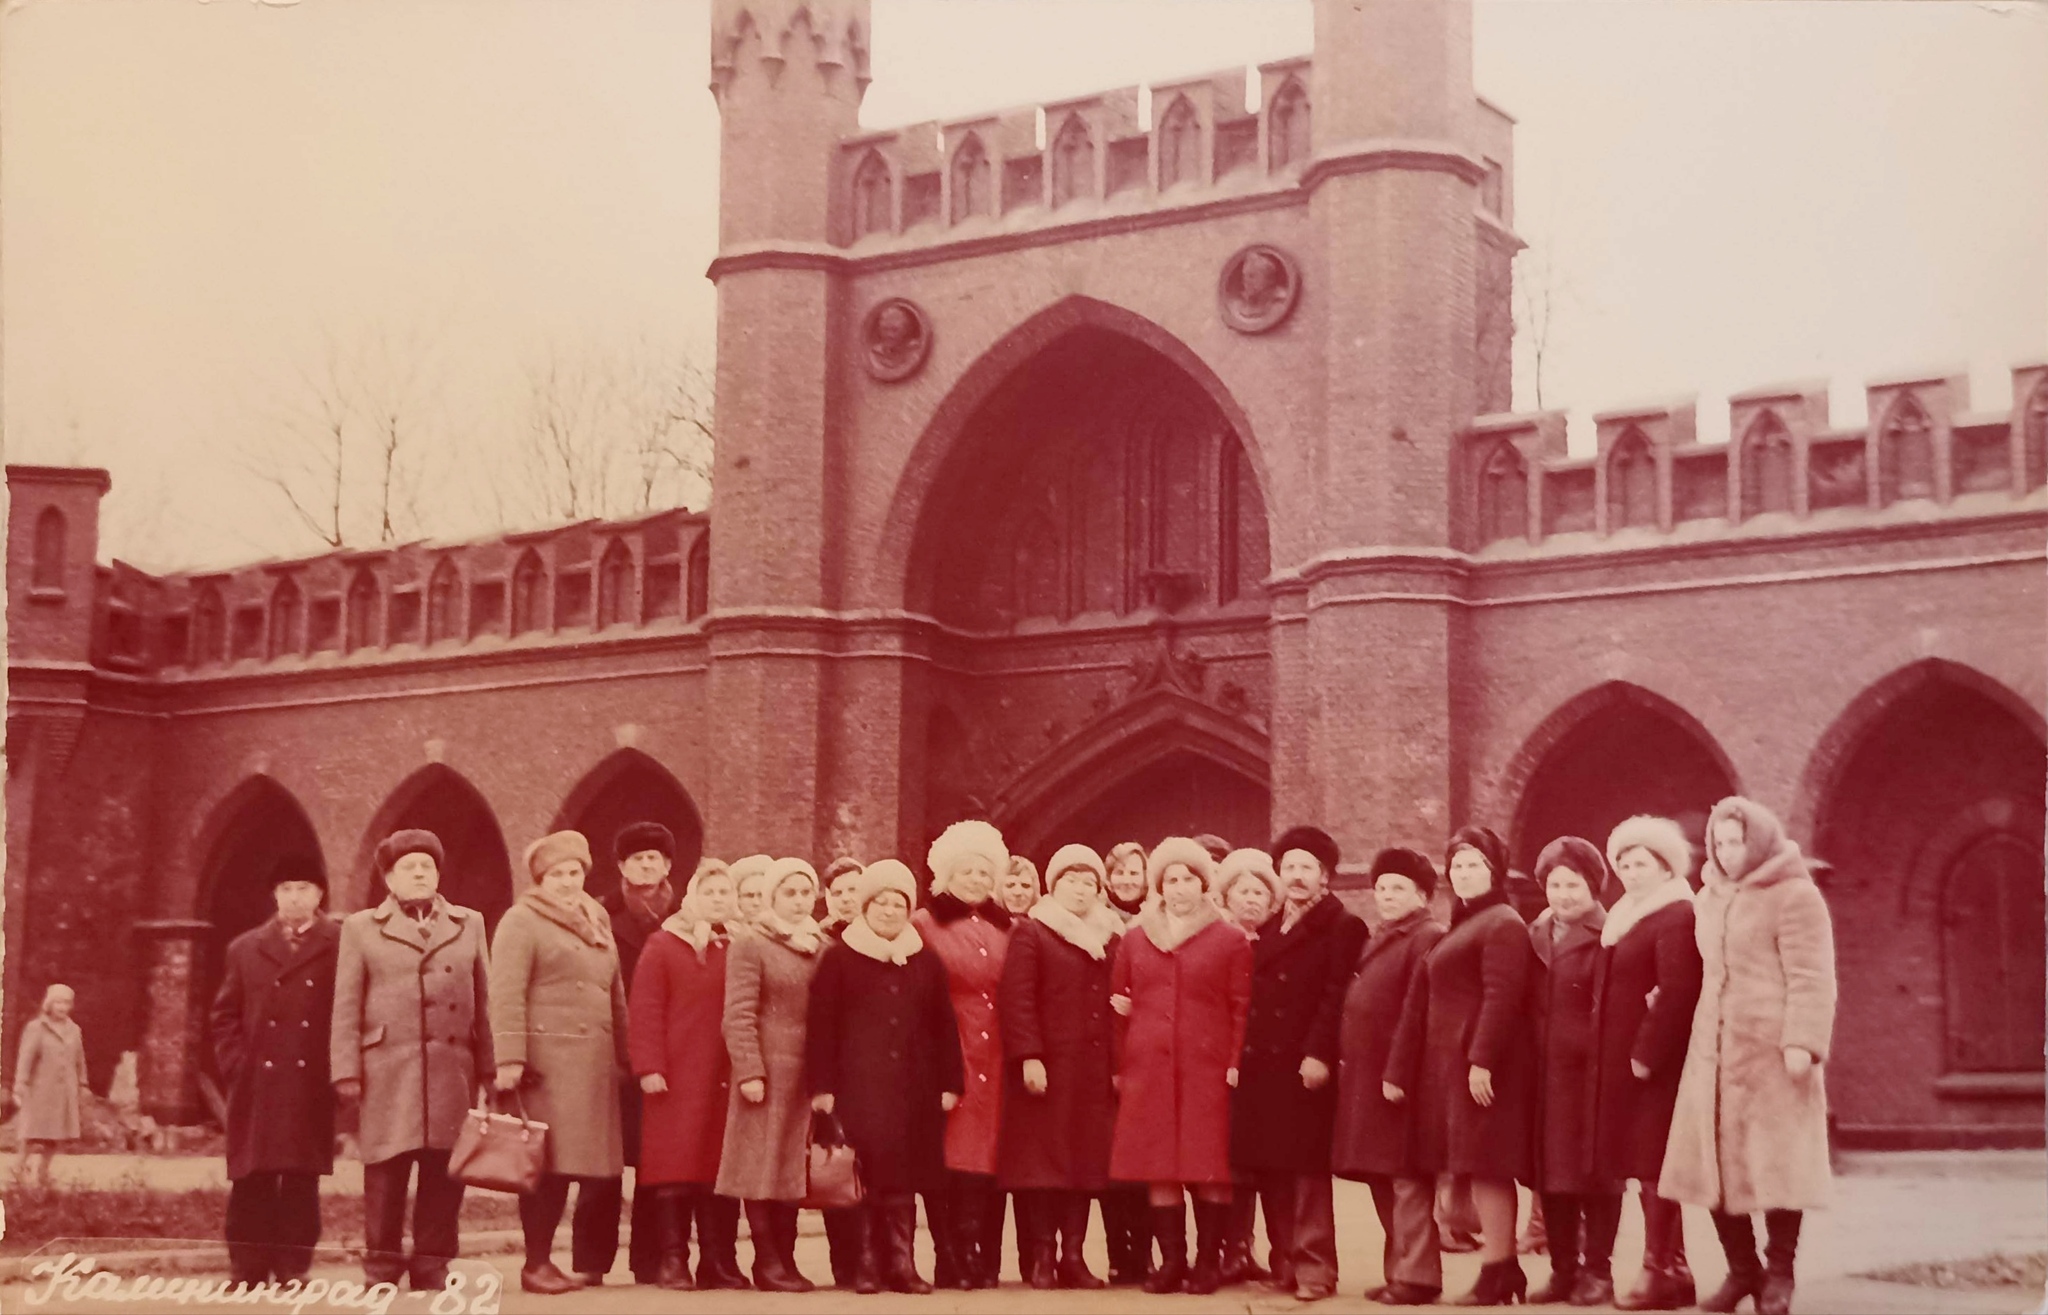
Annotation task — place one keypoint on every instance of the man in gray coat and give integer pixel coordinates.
(411, 1040)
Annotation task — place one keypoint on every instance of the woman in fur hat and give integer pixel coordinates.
(1749, 1133)
(969, 931)
(767, 1007)
(1581, 1198)
(883, 1057)
(676, 1007)
(1370, 1142)
(558, 1020)
(1465, 1055)
(1059, 1043)
(1645, 990)
(49, 1084)
(1182, 982)
(1020, 888)
(1248, 889)
(1126, 1218)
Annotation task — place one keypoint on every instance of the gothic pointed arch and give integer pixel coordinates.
(1073, 161)
(1180, 144)
(360, 622)
(1503, 494)
(258, 825)
(1287, 127)
(630, 786)
(1631, 482)
(444, 602)
(872, 199)
(287, 619)
(209, 626)
(529, 593)
(1905, 453)
(615, 585)
(972, 193)
(1768, 467)
(47, 564)
(476, 871)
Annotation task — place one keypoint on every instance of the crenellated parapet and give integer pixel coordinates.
(768, 37)
(1922, 453)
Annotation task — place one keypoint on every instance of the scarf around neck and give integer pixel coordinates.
(583, 914)
(1091, 934)
(863, 939)
(652, 903)
(694, 931)
(1632, 908)
(1550, 931)
(804, 935)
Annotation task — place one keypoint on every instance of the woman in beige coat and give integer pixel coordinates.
(1750, 1131)
(49, 1084)
(558, 1018)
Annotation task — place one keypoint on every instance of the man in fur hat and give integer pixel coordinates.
(646, 853)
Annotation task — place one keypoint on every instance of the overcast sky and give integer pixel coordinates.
(194, 197)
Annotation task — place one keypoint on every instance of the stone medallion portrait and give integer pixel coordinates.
(1259, 287)
(896, 337)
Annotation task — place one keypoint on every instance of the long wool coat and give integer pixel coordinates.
(767, 1005)
(1471, 1009)
(677, 1008)
(970, 941)
(49, 1071)
(1645, 989)
(882, 1040)
(412, 1023)
(270, 1023)
(632, 924)
(1565, 1047)
(1299, 977)
(558, 1006)
(1371, 1133)
(1055, 1009)
(1745, 1135)
(1184, 1033)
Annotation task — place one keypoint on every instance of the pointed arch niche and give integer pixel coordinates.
(629, 786)
(477, 871)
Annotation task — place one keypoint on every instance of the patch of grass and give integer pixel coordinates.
(1998, 1270)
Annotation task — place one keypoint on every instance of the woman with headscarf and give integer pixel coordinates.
(1581, 1198)
(1749, 1133)
(750, 877)
(558, 1022)
(676, 1007)
(1645, 990)
(969, 931)
(1020, 889)
(767, 1005)
(1182, 983)
(1128, 884)
(883, 1058)
(49, 1084)
(1465, 1056)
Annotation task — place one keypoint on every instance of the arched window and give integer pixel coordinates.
(285, 608)
(615, 585)
(1287, 127)
(871, 196)
(2034, 435)
(1180, 145)
(529, 593)
(444, 601)
(1766, 468)
(970, 179)
(1503, 495)
(697, 584)
(209, 626)
(49, 558)
(1631, 482)
(1905, 454)
(360, 626)
(1992, 951)
(1073, 161)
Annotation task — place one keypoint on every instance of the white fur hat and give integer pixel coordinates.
(1660, 836)
(887, 874)
(1070, 857)
(960, 842)
(1180, 849)
(782, 869)
(1241, 863)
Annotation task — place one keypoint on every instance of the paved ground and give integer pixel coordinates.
(1889, 1210)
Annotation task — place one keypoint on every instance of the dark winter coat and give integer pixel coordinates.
(1371, 1133)
(631, 928)
(1299, 978)
(1471, 1010)
(1055, 1009)
(1645, 989)
(883, 1042)
(271, 1019)
(674, 1014)
(970, 941)
(1565, 1045)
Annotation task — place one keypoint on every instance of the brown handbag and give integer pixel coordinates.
(831, 1170)
(500, 1152)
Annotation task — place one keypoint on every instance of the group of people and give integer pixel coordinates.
(1135, 1029)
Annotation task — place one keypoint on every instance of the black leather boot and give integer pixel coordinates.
(774, 1270)
(1501, 1283)
(1781, 1248)
(1745, 1271)
(1170, 1231)
(1238, 1265)
(1037, 1242)
(1211, 1218)
(1073, 1273)
(896, 1217)
(1560, 1215)
(718, 1233)
(671, 1209)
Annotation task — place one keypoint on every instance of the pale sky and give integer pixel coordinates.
(194, 196)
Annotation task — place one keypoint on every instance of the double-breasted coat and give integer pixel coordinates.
(677, 1008)
(270, 1025)
(1471, 1009)
(1565, 1050)
(49, 1077)
(1055, 1009)
(883, 1042)
(767, 1008)
(1645, 989)
(970, 940)
(1745, 1134)
(1370, 1137)
(558, 1006)
(1299, 977)
(412, 1023)
(1183, 1035)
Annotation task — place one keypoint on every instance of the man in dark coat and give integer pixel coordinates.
(646, 852)
(270, 1029)
(1286, 1101)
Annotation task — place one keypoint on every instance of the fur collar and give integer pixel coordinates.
(1786, 863)
(1544, 936)
(1462, 909)
(949, 908)
(1154, 924)
(1631, 909)
(579, 915)
(1092, 933)
(804, 935)
(863, 939)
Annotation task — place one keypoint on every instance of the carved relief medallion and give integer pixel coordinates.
(895, 339)
(1259, 287)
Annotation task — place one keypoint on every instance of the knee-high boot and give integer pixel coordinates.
(774, 1268)
(966, 1227)
(669, 1211)
(1781, 1247)
(1238, 1237)
(1036, 1239)
(942, 1217)
(1745, 1272)
(1072, 1270)
(1170, 1231)
(895, 1241)
(718, 1233)
(1211, 1219)
(1127, 1231)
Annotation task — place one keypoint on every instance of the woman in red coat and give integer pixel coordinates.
(675, 1013)
(969, 930)
(1183, 982)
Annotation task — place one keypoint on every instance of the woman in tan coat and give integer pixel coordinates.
(49, 1084)
(1749, 1134)
(558, 1018)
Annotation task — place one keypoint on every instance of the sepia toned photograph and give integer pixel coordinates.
(1024, 655)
